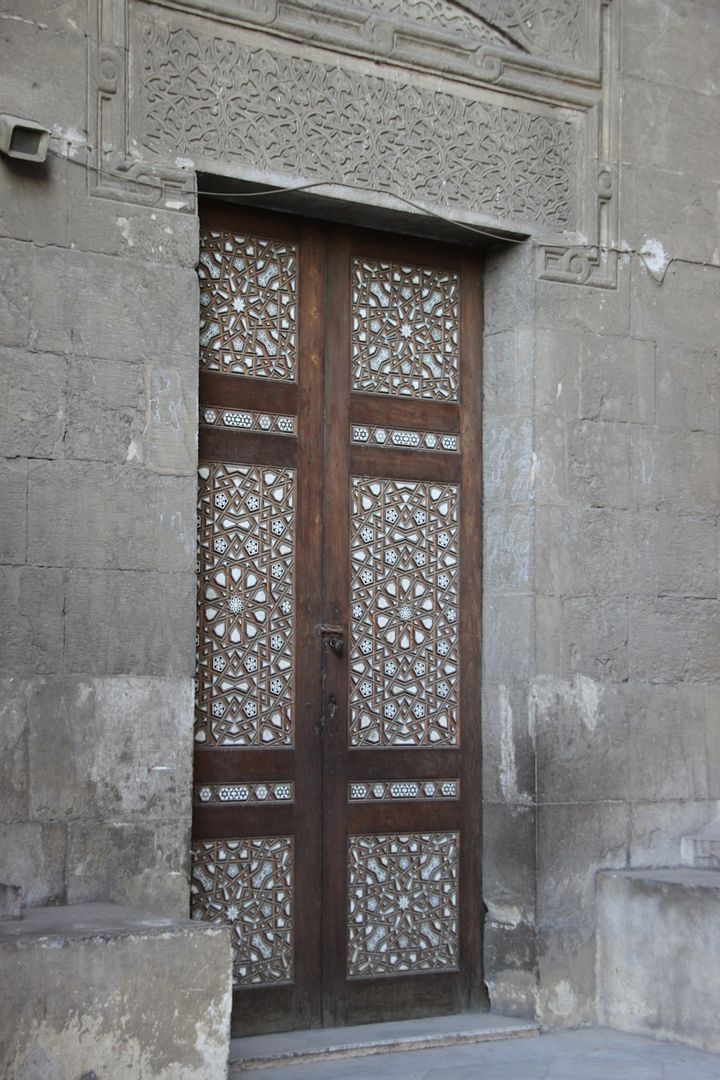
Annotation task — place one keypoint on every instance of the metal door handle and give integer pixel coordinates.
(334, 638)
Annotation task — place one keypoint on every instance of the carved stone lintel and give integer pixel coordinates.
(277, 93)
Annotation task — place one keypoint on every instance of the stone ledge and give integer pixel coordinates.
(658, 960)
(362, 1040)
(114, 992)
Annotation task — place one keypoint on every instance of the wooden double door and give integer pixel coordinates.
(337, 766)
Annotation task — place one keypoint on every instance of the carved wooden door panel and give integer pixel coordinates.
(336, 789)
(401, 765)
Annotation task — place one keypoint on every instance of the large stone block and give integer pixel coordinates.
(682, 554)
(657, 829)
(507, 561)
(147, 234)
(507, 373)
(58, 99)
(31, 629)
(557, 366)
(675, 470)
(96, 990)
(560, 308)
(660, 36)
(622, 741)
(120, 622)
(130, 863)
(118, 749)
(664, 125)
(33, 202)
(573, 840)
(508, 744)
(117, 309)
(567, 986)
(32, 855)
(170, 434)
(549, 471)
(675, 212)
(32, 414)
(598, 463)
(659, 953)
(507, 638)
(14, 292)
(681, 311)
(110, 516)
(509, 866)
(510, 968)
(617, 379)
(674, 639)
(507, 461)
(14, 778)
(688, 388)
(594, 551)
(509, 289)
(13, 520)
(595, 637)
(107, 410)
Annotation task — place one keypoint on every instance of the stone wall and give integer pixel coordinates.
(602, 625)
(601, 601)
(98, 336)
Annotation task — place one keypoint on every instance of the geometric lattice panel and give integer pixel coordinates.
(404, 609)
(249, 884)
(402, 903)
(248, 302)
(245, 661)
(405, 330)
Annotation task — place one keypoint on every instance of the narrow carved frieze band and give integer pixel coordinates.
(242, 791)
(399, 790)
(248, 420)
(402, 439)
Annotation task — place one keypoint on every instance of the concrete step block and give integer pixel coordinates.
(659, 953)
(102, 990)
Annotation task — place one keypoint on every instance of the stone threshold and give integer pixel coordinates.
(321, 1044)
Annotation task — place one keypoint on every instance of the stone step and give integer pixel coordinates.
(321, 1044)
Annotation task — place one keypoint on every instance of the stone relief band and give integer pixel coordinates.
(396, 790)
(242, 791)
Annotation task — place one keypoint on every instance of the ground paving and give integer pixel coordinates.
(589, 1054)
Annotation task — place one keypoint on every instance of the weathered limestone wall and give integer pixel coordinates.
(608, 708)
(98, 347)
